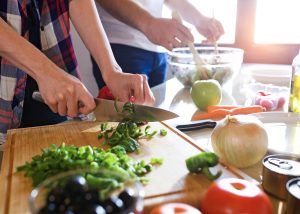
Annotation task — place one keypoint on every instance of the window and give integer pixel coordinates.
(281, 23)
(267, 30)
(260, 37)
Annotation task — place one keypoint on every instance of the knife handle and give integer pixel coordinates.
(36, 95)
(197, 125)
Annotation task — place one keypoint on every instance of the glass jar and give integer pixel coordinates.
(294, 103)
(87, 191)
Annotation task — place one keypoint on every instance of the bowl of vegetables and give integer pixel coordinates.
(87, 191)
(221, 64)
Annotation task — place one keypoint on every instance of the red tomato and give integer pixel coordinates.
(105, 93)
(173, 208)
(235, 196)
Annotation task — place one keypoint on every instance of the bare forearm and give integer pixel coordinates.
(61, 91)
(127, 11)
(21, 53)
(86, 21)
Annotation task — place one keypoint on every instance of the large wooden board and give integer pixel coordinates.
(168, 182)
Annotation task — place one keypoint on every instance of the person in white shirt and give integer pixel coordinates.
(139, 36)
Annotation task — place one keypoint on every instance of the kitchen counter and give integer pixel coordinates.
(173, 96)
(170, 95)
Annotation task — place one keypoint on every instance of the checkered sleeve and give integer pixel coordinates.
(56, 45)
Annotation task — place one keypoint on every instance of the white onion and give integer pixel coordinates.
(240, 140)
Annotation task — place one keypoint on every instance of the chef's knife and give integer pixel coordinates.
(106, 111)
(196, 125)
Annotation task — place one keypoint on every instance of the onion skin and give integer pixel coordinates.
(240, 140)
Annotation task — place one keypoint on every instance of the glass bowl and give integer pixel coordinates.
(221, 66)
(87, 191)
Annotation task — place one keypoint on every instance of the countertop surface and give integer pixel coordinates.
(281, 126)
(171, 95)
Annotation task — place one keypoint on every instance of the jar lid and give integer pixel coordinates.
(293, 187)
(283, 164)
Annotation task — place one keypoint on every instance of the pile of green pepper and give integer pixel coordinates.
(127, 133)
(55, 160)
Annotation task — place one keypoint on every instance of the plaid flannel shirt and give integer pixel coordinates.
(56, 45)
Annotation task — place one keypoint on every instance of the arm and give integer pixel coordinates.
(158, 30)
(60, 90)
(85, 18)
(211, 28)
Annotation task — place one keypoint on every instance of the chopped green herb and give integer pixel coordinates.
(100, 135)
(103, 126)
(163, 132)
(148, 134)
(116, 105)
(55, 160)
(128, 132)
(156, 161)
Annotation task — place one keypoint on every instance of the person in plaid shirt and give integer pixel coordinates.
(36, 53)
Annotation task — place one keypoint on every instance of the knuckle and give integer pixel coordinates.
(138, 78)
(71, 89)
(51, 102)
(72, 114)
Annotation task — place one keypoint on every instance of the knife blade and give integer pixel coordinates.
(106, 111)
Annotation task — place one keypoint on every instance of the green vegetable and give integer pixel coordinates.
(55, 160)
(128, 109)
(127, 133)
(202, 162)
(124, 135)
(100, 135)
(148, 134)
(156, 161)
(163, 132)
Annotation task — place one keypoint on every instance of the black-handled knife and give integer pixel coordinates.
(196, 125)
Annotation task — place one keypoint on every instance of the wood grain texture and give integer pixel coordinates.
(168, 182)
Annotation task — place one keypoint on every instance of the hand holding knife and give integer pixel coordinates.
(105, 111)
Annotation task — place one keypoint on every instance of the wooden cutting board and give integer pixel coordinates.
(168, 182)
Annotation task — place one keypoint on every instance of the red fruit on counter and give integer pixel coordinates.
(173, 208)
(235, 196)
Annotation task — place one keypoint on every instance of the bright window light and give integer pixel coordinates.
(277, 22)
(217, 7)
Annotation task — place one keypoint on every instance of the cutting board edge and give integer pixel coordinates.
(6, 171)
(238, 173)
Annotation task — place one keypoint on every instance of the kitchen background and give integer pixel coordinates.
(266, 30)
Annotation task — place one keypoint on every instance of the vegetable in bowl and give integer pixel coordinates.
(222, 66)
(86, 191)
